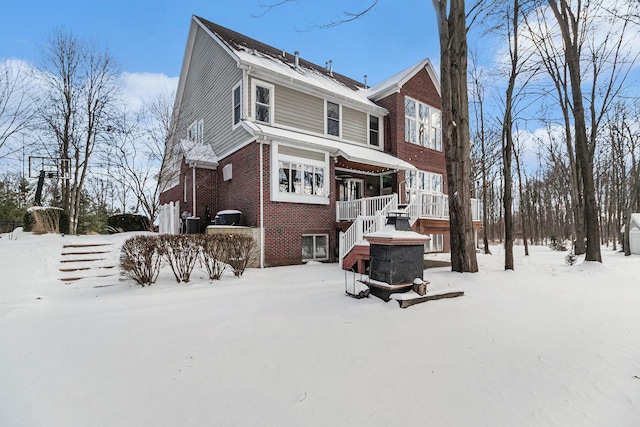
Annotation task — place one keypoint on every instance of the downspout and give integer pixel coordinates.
(261, 203)
(193, 184)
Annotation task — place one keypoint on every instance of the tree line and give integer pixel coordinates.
(72, 106)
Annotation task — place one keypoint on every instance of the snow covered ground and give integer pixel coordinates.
(545, 345)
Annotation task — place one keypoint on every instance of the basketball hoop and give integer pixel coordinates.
(50, 167)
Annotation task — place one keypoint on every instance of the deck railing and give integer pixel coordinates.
(368, 206)
(355, 234)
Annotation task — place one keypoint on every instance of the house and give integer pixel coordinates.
(312, 158)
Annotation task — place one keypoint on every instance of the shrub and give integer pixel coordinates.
(140, 259)
(181, 253)
(240, 251)
(27, 221)
(128, 222)
(213, 253)
(571, 258)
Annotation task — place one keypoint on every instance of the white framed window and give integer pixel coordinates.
(195, 132)
(262, 97)
(299, 175)
(435, 244)
(422, 181)
(315, 247)
(422, 124)
(236, 103)
(333, 118)
(375, 131)
(410, 120)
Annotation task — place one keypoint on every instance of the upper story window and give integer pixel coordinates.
(333, 119)
(195, 132)
(237, 104)
(262, 101)
(422, 125)
(374, 131)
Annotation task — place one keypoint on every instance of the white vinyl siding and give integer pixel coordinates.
(354, 125)
(295, 109)
(212, 76)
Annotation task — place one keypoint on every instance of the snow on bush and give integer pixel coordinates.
(140, 259)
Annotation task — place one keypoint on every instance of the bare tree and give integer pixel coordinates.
(452, 28)
(17, 100)
(81, 89)
(133, 154)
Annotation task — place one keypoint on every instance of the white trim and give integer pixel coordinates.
(416, 119)
(277, 196)
(326, 120)
(314, 235)
(272, 96)
(394, 83)
(235, 125)
(380, 145)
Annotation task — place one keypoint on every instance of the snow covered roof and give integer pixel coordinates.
(262, 57)
(395, 82)
(200, 155)
(351, 152)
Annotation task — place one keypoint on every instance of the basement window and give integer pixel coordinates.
(315, 247)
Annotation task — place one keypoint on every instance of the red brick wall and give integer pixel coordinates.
(205, 192)
(421, 88)
(285, 223)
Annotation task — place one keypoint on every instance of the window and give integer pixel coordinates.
(195, 132)
(422, 181)
(299, 175)
(237, 104)
(422, 125)
(436, 244)
(262, 102)
(333, 119)
(315, 247)
(299, 178)
(409, 120)
(374, 131)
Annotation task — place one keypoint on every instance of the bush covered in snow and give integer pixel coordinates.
(180, 251)
(142, 256)
(213, 254)
(140, 259)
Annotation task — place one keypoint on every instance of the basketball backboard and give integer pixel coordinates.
(55, 168)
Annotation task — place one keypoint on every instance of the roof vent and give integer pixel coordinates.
(365, 82)
(331, 67)
(297, 59)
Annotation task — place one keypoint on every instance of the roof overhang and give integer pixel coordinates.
(198, 155)
(354, 156)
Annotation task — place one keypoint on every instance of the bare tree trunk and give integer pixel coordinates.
(568, 23)
(455, 131)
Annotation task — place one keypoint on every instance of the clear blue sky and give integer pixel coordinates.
(150, 35)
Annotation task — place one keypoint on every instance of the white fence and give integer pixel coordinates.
(169, 217)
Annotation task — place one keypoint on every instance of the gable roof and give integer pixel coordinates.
(395, 82)
(259, 57)
(239, 42)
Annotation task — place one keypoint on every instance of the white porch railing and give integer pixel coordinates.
(369, 206)
(355, 234)
(369, 214)
(436, 206)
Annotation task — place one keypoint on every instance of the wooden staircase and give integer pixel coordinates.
(87, 260)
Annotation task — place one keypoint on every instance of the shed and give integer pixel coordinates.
(634, 233)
